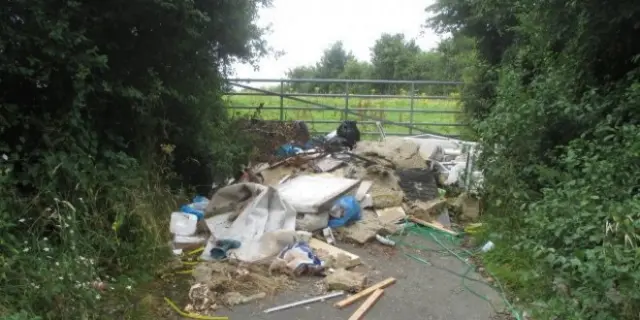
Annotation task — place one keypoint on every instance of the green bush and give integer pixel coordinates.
(554, 97)
(108, 111)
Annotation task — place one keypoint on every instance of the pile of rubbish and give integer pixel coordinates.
(283, 219)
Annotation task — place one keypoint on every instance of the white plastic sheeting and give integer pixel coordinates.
(263, 227)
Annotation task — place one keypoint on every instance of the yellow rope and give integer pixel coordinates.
(195, 251)
(189, 314)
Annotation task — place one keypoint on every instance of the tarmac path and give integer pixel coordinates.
(422, 291)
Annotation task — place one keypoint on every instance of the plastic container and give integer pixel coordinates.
(197, 207)
(488, 246)
(183, 224)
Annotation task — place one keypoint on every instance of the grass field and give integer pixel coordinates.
(309, 112)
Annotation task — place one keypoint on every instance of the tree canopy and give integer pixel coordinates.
(107, 109)
(393, 57)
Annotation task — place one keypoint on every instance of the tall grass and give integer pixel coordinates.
(86, 253)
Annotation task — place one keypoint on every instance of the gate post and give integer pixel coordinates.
(346, 100)
(281, 100)
(413, 89)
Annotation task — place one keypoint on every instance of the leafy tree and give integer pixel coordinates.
(357, 70)
(392, 57)
(89, 92)
(302, 72)
(333, 63)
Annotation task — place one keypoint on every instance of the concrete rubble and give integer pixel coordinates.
(345, 280)
(388, 182)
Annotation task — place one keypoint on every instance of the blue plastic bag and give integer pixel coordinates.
(196, 207)
(288, 150)
(351, 211)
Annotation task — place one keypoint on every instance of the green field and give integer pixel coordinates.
(309, 112)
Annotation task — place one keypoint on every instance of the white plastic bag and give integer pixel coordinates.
(183, 224)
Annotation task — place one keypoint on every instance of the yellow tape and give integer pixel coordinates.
(195, 251)
(189, 314)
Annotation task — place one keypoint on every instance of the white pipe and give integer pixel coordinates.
(385, 241)
(303, 302)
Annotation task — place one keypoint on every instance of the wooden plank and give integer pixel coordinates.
(350, 300)
(333, 251)
(366, 305)
(432, 225)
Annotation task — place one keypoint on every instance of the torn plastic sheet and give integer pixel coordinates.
(264, 226)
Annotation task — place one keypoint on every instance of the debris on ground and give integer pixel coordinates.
(306, 301)
(467, 206)
(345, 280)
(334, 257)
(281, 219)
(367, 305)
(362, 231)
(364, 293)
(425, 210)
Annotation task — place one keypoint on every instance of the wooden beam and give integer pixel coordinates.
(366, 305)
(350, 300)
(436, 226)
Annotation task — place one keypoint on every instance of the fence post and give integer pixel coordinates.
(281, 100)
(346, 100)
(413, 92)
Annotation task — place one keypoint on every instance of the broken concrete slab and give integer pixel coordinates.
(391, 214)
(401, 152)
(467, 206)
(385, 189)
(362, 231)
(327, 252)
(425, 210)
(386, 198)
(345, 280)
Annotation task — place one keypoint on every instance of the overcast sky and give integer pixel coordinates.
(304, 28)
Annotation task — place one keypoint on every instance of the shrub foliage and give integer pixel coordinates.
(106, 110)
(555, 96)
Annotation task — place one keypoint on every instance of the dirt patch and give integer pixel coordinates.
(223, 284)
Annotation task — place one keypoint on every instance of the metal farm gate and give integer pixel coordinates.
(403, 107)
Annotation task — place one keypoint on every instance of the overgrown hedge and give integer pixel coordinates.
(107, 110)
(555, 96)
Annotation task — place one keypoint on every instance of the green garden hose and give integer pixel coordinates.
(461, 254)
